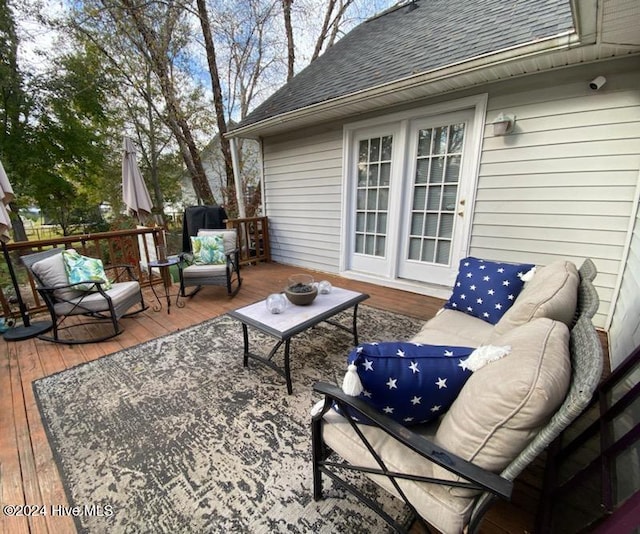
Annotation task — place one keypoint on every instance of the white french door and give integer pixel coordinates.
(410, 184)
(376, 174)
(434, 226)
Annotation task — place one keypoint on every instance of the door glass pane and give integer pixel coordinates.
(363, 150)
(372, 194)
(446, 226)
(374, 149)
(373, 175)
(433, 200)
(431, 230)
(452, 171)
(385, 174)
(443, 250)
(428, 250)
(386, 148)
(362, 175)
(438, 164)
(371, 223)
(424, 143)
(414, 248)
(450, 192)
(417, 222)
(456, 137)
(422, 170)
(372, 200)
(440, 140)
(383, 199)
(419, 198)
(381, 227)
(437, 168)
(369, 242)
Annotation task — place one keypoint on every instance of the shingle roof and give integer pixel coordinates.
(400, 43)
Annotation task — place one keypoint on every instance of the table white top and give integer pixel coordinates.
(295, 319)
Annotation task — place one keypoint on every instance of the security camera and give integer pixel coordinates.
(597, 83)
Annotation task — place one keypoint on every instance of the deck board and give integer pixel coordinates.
(29, 473)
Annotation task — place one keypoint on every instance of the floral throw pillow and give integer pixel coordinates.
(486, 289)
(208, 250)
(84, 269)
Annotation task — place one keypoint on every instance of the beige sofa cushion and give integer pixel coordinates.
(448, 514)
(504, 404)
(552, 293)
(454, 328)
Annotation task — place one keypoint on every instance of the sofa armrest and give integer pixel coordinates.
(486, 480)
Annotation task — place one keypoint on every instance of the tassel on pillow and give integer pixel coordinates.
(484, 355)
(351, 384)
(528, 276)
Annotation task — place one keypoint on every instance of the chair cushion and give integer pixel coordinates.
(445, 512)
(95, 302)
(204, 271)
(81, 268)
(504, 404)
(486, 289)
(52, 273)
(208, 250)
(450, 327)
(228, 237)
(552, 293)
(411, 383)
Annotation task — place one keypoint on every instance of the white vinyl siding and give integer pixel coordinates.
(303, 197)
(624, 333)
(562, 185)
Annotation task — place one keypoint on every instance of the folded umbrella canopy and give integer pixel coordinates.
(29, 329)
(6, 196)
(134, 191)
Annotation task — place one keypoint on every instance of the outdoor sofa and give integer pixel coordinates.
(448, 471)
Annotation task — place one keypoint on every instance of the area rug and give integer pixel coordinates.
(175, 435)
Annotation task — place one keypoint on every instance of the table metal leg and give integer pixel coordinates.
(245, 338)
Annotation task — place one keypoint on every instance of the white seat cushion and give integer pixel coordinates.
(204, 271)
(95, 302)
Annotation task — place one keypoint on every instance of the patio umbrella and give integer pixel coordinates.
(28, 329)
(134, 191)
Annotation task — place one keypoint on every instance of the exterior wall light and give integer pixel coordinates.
(503, 124)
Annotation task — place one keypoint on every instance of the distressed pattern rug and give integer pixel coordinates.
(175, 435)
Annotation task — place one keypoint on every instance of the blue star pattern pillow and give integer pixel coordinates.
(409, 382)
(486, 289)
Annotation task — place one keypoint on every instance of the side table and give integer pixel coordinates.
(163, 267)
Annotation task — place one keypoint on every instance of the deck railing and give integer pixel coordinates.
(132, 247)
(253, 239)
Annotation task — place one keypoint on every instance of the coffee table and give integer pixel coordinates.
(293, 321)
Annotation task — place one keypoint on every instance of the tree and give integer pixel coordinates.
(13, 101)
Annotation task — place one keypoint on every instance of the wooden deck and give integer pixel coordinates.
(28, 474)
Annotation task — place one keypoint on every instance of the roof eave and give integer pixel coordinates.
(308, 114)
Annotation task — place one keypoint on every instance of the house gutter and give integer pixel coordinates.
(562, 41)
